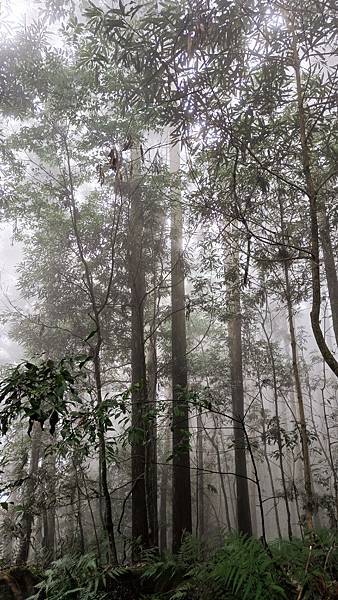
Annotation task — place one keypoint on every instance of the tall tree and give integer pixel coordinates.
(298, 384)
(182, 520)
(200, 491)
(139, 393)
(49, 508)
(312, 188)
(28, 500)
(329, 263)
(268, 335)
(237, 393)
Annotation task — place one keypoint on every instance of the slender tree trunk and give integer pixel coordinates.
(231, 485)
(151, 450)
(70, 525)
(253, 507)
(299, 393)
(200, 479)
(297, 380)
(153, 306)
(237, 393)
(298, 510)
(108, 517)
(163, 509)
(28, 513)
(266, 456)
(79, 518)
(97, 310)
(48, 539)
(329, 455)
(332, 460)
(278, 430)
(326, 453)
(139, 397)
(152, 366)
(17, 472)
(330, 266)
(312, 194)
(298, 385)
(163, 517)
(182, 520)
(83, 476)
(211, 504)
(220, 470)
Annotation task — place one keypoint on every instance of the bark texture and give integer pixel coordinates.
(182, 520)
(28, 501)
(139, 398)
(237, 394)
(330, 266)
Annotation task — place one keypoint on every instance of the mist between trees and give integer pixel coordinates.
(169, 175)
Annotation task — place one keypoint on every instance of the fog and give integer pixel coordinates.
(169, 294)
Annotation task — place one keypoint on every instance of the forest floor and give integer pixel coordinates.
(243, 568)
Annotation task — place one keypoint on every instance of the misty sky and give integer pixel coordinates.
(10, 255)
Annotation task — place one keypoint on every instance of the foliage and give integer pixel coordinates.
(244, 569)
(49, 391)
(77, 577)
(313, 564)
(40, 392)
(224, 71)
(171, 573)
(241, 569)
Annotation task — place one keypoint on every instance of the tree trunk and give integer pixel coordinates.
(96, 316)
(163, 517)
(28, 513)
(48, 539)
(108, 517)
(278, 430)
(299, 393)
(87, 496)
(230, 481)
(253, 506)
(297, 380)
(326, 453)
(220, 470)
(312, 194)
(151, 453)
(200, 525)
(151, 450)
(272, 484)
(79, 518)
(237, 394)
(182, 520)
(139, 399)
(330, 266)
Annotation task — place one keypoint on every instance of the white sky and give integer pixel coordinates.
(14, 12)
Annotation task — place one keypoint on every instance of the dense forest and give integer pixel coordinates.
(169, 299)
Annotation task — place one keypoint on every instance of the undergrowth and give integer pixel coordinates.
(242, 569)
(77, 578)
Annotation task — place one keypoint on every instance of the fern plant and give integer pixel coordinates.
(77, 577)
(312, 565)
(241, 569)
(169, 577)
(245, 568)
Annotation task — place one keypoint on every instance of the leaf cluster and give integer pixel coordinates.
(40, 392)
